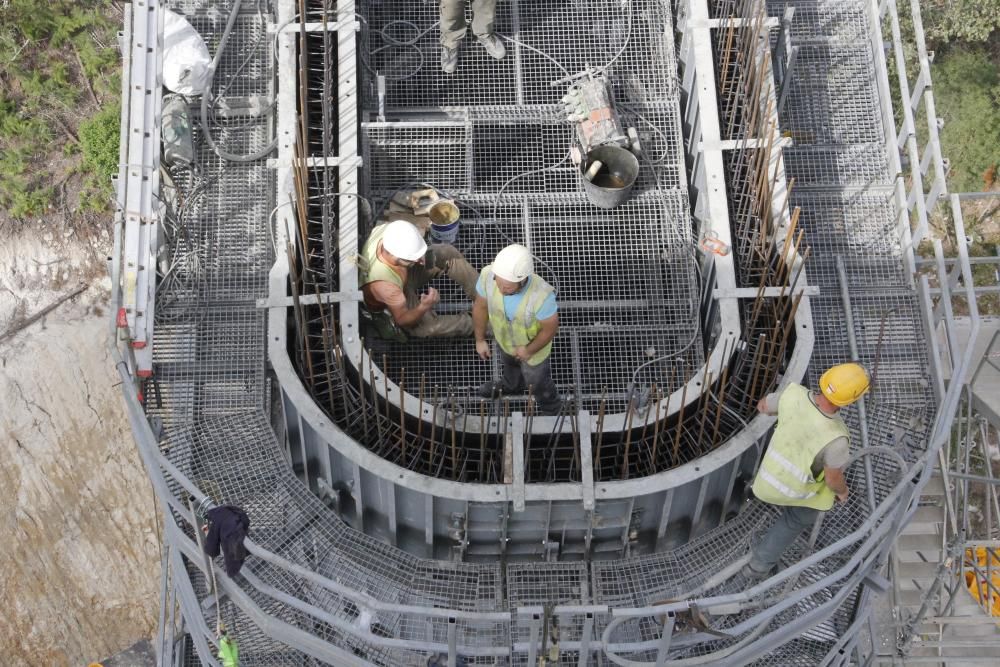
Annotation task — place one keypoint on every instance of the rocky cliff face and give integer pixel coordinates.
(79, 562)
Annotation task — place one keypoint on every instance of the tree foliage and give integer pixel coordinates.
(966, 20)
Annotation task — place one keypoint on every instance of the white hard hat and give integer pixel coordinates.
(514, 263)
(404, 241)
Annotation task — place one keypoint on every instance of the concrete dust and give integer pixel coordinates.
(79, 568)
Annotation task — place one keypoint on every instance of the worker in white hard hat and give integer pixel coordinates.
(396, 264)
(522, 312)
(803, 468)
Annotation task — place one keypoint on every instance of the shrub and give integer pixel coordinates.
(99, 140)
(967, 93)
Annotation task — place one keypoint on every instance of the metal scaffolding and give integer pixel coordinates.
(807, 146)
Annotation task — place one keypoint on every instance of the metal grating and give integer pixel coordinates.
(818, 20)
(562, 37)
(837, 165)
(833, 96)
(616, 273)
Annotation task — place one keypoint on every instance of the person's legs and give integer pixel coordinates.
(483, 17)
(484, 25)
(543, 387)
(453, 27)
(448, 260)
(432, 325)
(788, 526)
(510, 378)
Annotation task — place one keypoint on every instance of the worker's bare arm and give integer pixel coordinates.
(480, 317)
(834, 478)
(405, 316)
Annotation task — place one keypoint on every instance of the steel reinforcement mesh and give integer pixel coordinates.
(625, 279)
(211, 394)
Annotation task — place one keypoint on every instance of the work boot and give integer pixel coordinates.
(753, 576)
(449, 60)
(493, 45)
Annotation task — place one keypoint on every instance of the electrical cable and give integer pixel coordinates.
(628, 37)
(666, 142)
(225, 155)
(496, 203)
(391, 42)
(696, 310)
(251, 53)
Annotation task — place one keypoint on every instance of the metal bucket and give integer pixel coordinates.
(611, 183)
(444, 222)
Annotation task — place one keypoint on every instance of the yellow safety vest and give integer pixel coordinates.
(525, 326)
(785, 475)
(373, 269)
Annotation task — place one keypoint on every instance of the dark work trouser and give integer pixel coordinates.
(441, 259)
(788, 526)
(519, 375)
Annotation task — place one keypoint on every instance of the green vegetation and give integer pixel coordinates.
(57, 64)
(964, 20)
(967, 93)
(99, 138)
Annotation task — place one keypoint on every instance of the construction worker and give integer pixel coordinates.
(395, 264)
(453, 29)
(521, 310)
(803, 468)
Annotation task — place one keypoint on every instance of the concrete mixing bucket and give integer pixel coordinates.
(612, 183)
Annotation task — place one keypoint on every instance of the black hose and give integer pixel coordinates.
(232, 157)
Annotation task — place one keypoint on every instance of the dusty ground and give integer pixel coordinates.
(79, 565)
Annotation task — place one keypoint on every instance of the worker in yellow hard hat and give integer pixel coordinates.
(803, 468)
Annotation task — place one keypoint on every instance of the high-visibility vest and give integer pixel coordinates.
(525, 325)
(373, 269)
(785, 475)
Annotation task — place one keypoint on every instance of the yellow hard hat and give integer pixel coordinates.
(844, 383)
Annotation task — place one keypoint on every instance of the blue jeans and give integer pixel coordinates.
(788, 526)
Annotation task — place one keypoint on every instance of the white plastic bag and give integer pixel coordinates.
(185, 57)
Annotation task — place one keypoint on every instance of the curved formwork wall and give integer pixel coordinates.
(350, 567)
(663, 349)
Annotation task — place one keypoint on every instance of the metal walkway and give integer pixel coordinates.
(317, 591)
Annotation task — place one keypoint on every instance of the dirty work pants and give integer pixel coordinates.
(453, 26)
(788, 526)
(519, 375)
(441, 259)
